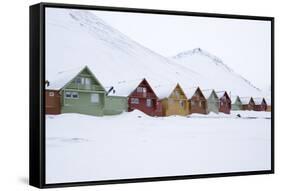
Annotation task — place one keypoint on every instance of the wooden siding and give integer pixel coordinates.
(115, 105)
(260, 107)
(213, 103)
(175, 107)
(52, 102)
(83, 104)
(237, 105)
(198, 103)
(144, 99)
(176, 104)
(225, 104)
(250, 106)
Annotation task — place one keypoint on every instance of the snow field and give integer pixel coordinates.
(133, 145)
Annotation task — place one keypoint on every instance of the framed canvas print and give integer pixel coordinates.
(122, 95)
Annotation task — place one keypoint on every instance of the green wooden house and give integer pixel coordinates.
(81, 92)
(236, 103)
(213, 101)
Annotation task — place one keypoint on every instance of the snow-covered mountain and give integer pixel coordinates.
(75, 38)
(215, 73)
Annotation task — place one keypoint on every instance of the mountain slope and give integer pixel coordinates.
(76, 38)
(215, 73)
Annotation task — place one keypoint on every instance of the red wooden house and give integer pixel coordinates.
(260, 104)
(198, 103)
(144, 99)
(225, 102)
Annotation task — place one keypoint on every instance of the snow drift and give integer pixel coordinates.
(87, 148)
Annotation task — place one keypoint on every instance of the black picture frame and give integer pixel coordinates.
(37, 96)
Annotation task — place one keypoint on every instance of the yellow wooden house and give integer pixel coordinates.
(176, 103)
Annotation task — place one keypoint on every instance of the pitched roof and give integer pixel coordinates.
(62, 78)
(234, 98)
(163, 91)
(180, 88)
(125, 88)
(268, 101)
(245, 100)
(208, 92)
(258, 100)
(220, 93)
(189, 92)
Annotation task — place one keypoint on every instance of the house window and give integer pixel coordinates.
(148, 102)
(134, 101)
(181, 103)
(79, 80)
(200, 104)
(87, 82)
(177, 94)
(68, 94)
(193, 104)
(144, 90)
(75, 95)
(71, 95)
(83, 80)
(95, 98)
(139, 89)
(221, 103)
(51, 94)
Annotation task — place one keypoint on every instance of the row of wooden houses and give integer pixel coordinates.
(81, 92)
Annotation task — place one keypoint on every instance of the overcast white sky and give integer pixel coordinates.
(244, 45)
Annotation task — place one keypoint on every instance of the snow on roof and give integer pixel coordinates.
(164, 90)
(189, 92)
(234, 98)
(59, 80)
(126, 87)
(245, 100)
(220, 93)
(268, 101)
(207, 93)
(258, 100)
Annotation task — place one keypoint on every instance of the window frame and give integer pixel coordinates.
(97, 97)
(148, 102)
(51, 94)
(135, 101)
(72, 94)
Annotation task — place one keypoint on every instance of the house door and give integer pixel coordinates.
(87, 83)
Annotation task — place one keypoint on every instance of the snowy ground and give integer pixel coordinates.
(133, 145)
